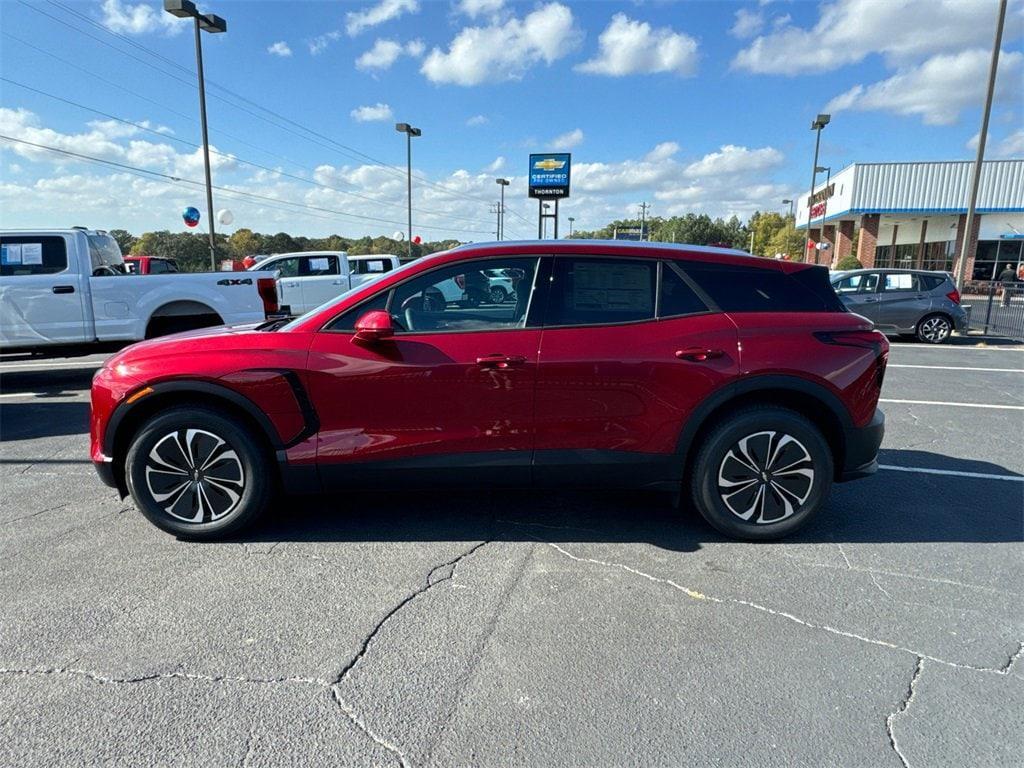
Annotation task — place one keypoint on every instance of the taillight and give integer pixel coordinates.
(460, 280)
(954, 296)
(865, 339)
(267, 287)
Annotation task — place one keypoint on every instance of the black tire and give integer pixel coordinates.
(934, 329)
(236, 484)
(498, 295)
(787, 500)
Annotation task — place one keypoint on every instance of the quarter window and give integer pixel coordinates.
(600, 291)
(755, 289)
(900, 281)
(677, 297)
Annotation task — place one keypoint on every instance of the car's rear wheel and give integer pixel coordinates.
(762, 473)
(498, 295)
(196, 474)
(934, 329)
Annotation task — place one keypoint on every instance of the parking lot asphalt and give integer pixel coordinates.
(499, 629)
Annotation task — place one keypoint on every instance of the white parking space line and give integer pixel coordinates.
(955, 348)
(955, 368)
(955, 405)
(44, 395)
(952, 473)
(55, 366)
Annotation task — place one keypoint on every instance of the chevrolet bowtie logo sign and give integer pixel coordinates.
(549, 164)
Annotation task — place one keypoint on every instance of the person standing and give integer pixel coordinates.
(1007, 277)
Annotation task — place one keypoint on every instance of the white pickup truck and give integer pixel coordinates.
(307, 279)
(69, 288)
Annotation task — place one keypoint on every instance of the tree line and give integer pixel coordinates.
(766, 233)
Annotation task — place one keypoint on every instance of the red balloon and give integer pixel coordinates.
(417, 240)
(248, 261)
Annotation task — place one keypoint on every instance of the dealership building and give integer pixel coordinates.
(914, 215)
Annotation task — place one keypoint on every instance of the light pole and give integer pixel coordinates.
(546, 207)
(501, 209)
(185, 9)
(572, 220)
(409, 132)
(820, 122)
(790, 203)
(972, 202)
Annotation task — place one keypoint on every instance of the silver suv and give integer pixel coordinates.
(909, 302)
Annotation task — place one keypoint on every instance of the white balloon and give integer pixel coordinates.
(225, 217)
(398, 236)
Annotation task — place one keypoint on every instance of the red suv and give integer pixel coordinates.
(742, 382)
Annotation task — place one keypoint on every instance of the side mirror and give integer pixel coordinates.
(375, 325)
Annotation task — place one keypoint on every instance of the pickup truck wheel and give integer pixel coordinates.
(762, 473)
(164, 326)
(196, 474)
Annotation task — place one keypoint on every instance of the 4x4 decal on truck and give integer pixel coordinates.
(235, 281)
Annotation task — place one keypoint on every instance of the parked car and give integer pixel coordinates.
(69, 288)
(743, 383)
(904, 301)
(307, 279)
(149, 265)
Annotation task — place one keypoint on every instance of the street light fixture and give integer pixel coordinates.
(409, 132)
(572, 220)
(185, 9)
(790, 204)
(819, 122)
(501, 209)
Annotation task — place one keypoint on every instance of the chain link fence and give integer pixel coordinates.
(996, 309)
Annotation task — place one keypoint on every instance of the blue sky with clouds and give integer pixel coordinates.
(690, 106)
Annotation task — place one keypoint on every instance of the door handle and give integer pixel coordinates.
(500, 361)
(698, 354)
(338, 282)
(63, 289)
(290, 285)
(869, 301)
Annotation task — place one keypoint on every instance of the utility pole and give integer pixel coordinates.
(409, 132)
(496, 208)
(643, 219)
(820, 122)
(965, 237)
(501, 208)
(572, 220)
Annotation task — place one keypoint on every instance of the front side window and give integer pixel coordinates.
(30, 255)
(862, 283)
(454, 298)
(594, 291)
(286, 267)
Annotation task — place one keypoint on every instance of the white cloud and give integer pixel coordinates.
(320, 43)
(748, 23)
(661, 152)
(385, 52)
(474, 8)
(137, 18)
(1012, 145)
(567, 140)
(938, 89)
(630, 47)
(477, 120)
(732, 159)
(497, 165)
(369, 114)
(506, 51)
(384, 11)
(280, 48)
(847, 31)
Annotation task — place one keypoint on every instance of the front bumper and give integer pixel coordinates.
(105, 469)
(861, 449)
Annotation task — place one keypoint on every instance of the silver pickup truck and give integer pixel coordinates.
(69, 288)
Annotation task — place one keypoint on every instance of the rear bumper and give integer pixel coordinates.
(861, 449)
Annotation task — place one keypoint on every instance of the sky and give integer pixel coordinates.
(698, 107)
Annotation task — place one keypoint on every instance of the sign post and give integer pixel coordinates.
(549, 180)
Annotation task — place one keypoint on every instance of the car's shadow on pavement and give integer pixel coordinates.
(889, 507)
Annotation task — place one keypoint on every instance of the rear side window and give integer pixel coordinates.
(899, 281)
(32, 255)
(370, 266)
(315, 266)
(601, 291)
(931, 282)
(677, 297)
(757, 289)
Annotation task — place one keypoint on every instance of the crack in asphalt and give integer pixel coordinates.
(904, 706)
(177, 675)
(36, 514)
(361, 724)
(1008, 667)
(784, 615)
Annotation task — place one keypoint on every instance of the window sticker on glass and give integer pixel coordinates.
(10, 253)
(31, 253)
(609, 286)
(319, 264)
(899, 282)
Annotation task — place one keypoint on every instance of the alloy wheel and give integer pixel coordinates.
(766, 477)
(935, 329)
(497, 295)
(194, 475)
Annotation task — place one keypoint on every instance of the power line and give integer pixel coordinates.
(234, 158)
(228, 190)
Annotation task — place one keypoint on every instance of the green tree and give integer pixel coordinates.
(849, 262)
(244, 242)
(125, 239)
(788, 241)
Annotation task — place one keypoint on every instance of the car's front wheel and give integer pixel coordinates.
(196, 474)
(498, 295)
(762, 473)
(934, 329)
